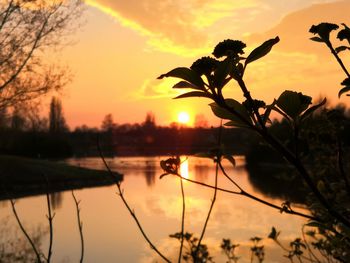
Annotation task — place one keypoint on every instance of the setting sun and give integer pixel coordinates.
(183, 117)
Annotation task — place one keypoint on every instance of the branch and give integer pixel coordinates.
(80, 226)
(132, 213)
(182, 220)
(25, 232)
(279, 208)
(49, 218)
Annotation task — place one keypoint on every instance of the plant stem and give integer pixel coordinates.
(210, 209)
(279, 208)
(49, 218)
(132, 213)
(335, 54)
(182, 220)
(25, 232)
(80, 226)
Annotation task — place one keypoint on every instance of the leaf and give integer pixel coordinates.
(236, 107)
(316, 39)
(314, 224)
(309, 111)
(221, 72)
(186, 74)
(274, 234)
(262, 50)
(220, 112)
(194, 94)
(184, 85)
(341, 48)
(236, 123)
(343, 90)
(293, 103)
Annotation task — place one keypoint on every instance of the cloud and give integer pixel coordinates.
(179, 27)
(293, 29)
(156, 89)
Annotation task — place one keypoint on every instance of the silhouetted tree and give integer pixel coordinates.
(18, 122)
(150, 121)
(27, 29)
(57, 122)
(108, 124)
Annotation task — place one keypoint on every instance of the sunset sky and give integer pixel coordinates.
(123, 46)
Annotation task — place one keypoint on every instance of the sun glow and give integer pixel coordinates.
(183, 117)
(184, 168)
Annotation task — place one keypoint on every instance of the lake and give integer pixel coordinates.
(111, 235)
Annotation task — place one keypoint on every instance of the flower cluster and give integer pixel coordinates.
(229, 47)
(205, 65)
(323, 30)
(344, 34)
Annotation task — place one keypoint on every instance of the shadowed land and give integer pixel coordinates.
(21, 177)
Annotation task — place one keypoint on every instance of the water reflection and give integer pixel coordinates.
(150, 173)
(184, 168)
(18, 249)
(56, 200)
(110, 233)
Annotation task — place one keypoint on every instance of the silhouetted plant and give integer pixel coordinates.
(207, 77)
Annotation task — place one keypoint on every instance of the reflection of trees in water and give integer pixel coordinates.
(14, 247)
(56, 200)
(3, 204)
(150, 173)
(201, 172)
(277, 181)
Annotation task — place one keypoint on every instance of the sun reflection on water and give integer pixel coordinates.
(184, 168)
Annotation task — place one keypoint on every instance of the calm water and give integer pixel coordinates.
(111, 235)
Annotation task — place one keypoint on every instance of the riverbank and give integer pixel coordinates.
(21, 177)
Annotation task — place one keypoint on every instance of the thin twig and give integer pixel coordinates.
(182, 220)
(214, 195)
(210, 210)
(335, 54)
(132, 213)
(80, 226)
(49, 218)
(25, 232)
(246, 194)
(279, 208)
(308, 246)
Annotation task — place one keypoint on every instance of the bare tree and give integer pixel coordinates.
(28, 28)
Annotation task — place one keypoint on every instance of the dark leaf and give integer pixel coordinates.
(344, 33)
(341, 48)
(236, 107)
(194, 94)
(274, 234)
(316, 39)
(262, 50)
(222, 71)
(187, 75)
(343, 90)
(309, 111)
(184, 85)
(293, 103)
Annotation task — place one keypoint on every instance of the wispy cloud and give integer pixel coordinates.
(180, 27)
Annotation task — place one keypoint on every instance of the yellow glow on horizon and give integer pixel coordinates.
(184, 168)
(183, 117)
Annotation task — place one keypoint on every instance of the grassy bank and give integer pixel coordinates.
(24, 177)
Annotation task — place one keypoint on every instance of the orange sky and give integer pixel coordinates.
(125, 45)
